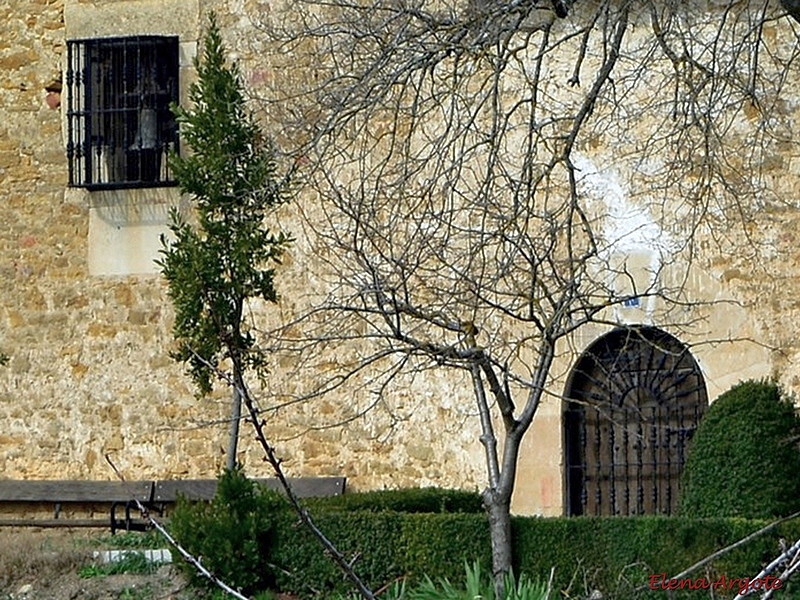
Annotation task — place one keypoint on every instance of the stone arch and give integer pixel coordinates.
(633, 402)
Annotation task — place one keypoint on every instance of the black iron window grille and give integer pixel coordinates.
(119, 124)
(636, 397)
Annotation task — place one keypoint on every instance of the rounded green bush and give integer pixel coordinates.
(744, 460)
(233, 533)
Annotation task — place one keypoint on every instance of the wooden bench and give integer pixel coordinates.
(60, 492)
(155, 495)
(56, 491)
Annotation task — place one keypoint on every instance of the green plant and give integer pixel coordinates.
(147, 540)
(214, 267)
(396, 551)
(135, 562)
(144, 592)
(744, 459)
(232, 533)
(383, 545)
(395, 590)
(477, 586)
(614, 555)
(218, 594)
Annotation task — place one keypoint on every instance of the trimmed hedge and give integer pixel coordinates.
(386, 546)
(250, 537)
(744, 460)
(615, 555)
(411, 500)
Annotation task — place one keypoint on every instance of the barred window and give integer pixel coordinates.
(119, 124)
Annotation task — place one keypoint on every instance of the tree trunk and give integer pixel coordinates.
(499, 511)
(233, 440)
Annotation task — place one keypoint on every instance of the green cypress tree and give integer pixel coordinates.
(227, 254)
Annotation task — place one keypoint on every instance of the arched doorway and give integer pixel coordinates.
(633, 402)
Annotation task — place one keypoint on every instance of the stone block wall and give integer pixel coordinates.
(86, 319)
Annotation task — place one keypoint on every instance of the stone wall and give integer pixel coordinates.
(86, 320)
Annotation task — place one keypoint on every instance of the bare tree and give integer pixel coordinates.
(491, 179)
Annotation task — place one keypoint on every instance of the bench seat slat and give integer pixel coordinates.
(56, 491)
(75, 491)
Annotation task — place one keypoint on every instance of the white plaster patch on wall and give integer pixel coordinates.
(630, 239)
(627, 227)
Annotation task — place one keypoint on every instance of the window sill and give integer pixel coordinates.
(133, 185)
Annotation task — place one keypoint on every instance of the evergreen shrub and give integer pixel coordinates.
(408, 500)
(615, 555)
(744, 460)
(233, 533)
(385, 546)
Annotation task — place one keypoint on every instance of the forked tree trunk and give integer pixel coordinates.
(499, 512)
(497, 496)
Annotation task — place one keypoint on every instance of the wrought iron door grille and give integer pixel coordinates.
(636, 398)
(120, 127)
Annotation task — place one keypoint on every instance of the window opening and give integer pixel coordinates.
(119, 124)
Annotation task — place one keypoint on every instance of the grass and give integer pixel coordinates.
(24, 554)
(59, 565)
(129, 540)
(134, 563)
(144, 592)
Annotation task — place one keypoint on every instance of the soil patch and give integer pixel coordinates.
(46, 565)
